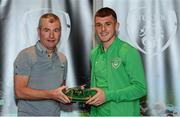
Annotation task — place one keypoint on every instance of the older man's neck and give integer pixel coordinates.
(50, 51)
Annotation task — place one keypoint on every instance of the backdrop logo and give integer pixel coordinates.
(151, 31)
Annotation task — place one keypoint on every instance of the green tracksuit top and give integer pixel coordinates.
(119, 72)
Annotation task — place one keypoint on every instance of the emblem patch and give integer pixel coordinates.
(116, 62)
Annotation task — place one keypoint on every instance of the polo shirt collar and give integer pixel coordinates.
(42, 49)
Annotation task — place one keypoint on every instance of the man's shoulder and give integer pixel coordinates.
(61, 56)
(126, 45)
(126, 48)
(94, 50)
(27, 55)
(29, 49)
(28, 52)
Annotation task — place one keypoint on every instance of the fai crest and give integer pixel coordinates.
(151, 31)
(116, 62)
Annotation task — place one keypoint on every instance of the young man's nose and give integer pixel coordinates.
(103, 27)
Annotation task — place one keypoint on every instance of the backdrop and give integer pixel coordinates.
(149, 25)
(152, 26)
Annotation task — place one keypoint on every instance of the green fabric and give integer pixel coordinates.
(124, 81)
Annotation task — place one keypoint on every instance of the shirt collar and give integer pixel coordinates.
(111, 46)
(42, 49)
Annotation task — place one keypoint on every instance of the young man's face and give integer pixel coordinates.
(105, 28)
(49, 33)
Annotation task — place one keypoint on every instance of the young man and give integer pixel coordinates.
(39, 72)
(117, 71)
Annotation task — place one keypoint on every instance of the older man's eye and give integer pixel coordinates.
(45, 29)
(57, 30)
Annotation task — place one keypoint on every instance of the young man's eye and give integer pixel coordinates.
(98, 25)
(107, 24)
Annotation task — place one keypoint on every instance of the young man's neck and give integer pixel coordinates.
(107, 44)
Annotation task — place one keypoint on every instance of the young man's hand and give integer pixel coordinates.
(97, 99)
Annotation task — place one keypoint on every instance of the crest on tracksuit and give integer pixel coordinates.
(116, 62)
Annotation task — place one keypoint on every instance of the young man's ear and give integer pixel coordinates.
(117, 27)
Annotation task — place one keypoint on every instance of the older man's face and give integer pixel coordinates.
(49, 33)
